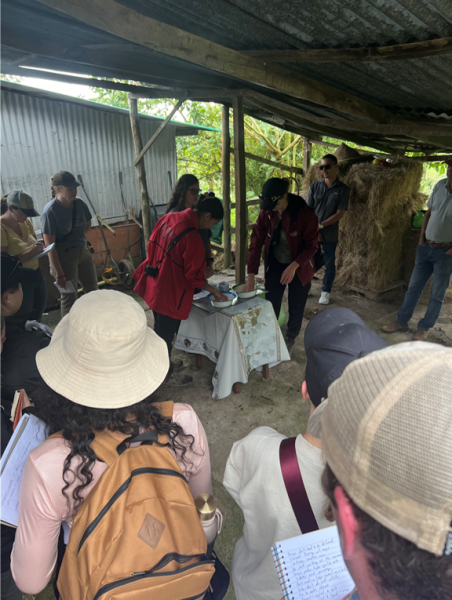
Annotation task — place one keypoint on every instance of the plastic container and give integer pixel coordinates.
(223, 286)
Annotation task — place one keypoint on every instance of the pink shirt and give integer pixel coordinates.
(43, 507)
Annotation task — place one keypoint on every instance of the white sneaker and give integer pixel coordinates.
(324, 298)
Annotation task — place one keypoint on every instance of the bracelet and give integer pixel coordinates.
(60, 276)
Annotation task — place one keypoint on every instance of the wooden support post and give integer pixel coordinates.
(159, 130)
(241, 236)
(307, 152)
(226, 169)
(141, 171)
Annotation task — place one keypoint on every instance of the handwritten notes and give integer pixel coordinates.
(29, 433)
(311, 567)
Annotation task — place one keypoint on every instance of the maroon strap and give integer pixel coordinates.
(295, 486)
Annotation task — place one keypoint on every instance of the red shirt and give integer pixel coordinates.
(171, 292)
(302, 237)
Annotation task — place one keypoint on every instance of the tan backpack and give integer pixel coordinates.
(137, 535)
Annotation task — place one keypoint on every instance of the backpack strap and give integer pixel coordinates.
(295, 487)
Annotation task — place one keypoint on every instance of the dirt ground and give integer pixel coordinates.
(275, 402)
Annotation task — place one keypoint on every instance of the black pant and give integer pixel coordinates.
(298, 294)
(166, 328)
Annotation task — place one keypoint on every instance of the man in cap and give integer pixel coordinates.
(65, 220)
(328, 197)
(434, 257)
(19, 370)
(288, 230)
(388, 471)
(333, 339)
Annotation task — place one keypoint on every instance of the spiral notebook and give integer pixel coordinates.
(311, 567)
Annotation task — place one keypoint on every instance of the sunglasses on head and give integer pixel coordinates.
(325, 167)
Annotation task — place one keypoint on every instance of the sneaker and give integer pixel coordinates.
(394, 327)
(177, 364)
(324, 298)
(290, 343)
(175, 380)
(420, 335)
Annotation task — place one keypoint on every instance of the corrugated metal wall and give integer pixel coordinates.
(42, 136)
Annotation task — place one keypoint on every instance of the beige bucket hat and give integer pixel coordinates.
(386, 433)
(103, 354)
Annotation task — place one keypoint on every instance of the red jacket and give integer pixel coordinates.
(171, 292)
(302, 237)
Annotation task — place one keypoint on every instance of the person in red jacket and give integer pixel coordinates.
(175, 267)
(288, 229)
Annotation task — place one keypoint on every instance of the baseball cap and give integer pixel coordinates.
(14, 273)
(447, 161)
(22, 201)
(272, 190)
(65, 179)
(386, 433)
(333, 339)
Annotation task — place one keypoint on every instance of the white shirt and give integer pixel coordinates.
(253, 478)
(439, 228)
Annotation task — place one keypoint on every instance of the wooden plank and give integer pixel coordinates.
(241, 238)
(141, 172)
(273, 163)
(340, 55)
(159, 131)
(226, 173)
(307, 152)
(248, 228)
(126, 23)
(192, 94)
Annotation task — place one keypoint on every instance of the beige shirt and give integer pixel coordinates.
(253, 478)
(43, 507)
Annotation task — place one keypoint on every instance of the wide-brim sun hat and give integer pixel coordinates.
(103, 354)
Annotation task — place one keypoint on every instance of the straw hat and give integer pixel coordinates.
(103, 354)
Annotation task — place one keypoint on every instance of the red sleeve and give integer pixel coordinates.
(310, 230)
(257, 241)
(194, 257)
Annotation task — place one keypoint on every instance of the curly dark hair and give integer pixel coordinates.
(77, 424)
(401, 569)
(178, 197)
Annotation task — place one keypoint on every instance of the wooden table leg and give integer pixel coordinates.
(237, 387)
(265, 371)
(198, 360)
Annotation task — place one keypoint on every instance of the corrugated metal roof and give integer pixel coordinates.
(42, 136)
(415, 89)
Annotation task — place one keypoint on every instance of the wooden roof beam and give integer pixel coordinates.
(372, 53)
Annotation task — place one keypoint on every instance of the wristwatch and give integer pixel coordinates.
(320, 226)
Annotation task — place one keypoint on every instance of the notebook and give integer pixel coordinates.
(311, 567)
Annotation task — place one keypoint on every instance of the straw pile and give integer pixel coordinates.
(371, 252)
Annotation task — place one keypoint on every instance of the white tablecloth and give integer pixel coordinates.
(239, 339)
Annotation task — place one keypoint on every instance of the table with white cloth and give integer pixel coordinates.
(238, 339)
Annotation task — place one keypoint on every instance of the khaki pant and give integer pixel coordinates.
(78, 265)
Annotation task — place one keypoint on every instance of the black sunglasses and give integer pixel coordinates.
(325, 167)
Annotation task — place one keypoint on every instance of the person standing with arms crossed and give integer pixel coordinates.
(65, 220)
(329, 200)
(434, 257)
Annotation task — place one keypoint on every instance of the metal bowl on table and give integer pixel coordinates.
(232, 299)
(238, 289)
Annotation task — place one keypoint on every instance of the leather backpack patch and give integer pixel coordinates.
(151, 531)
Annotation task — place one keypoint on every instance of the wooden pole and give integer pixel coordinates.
(273, 163)
(241, 236)
(307, 153)
(159, 130)
(141, 171)
(226, 169)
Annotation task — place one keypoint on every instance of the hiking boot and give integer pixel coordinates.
(290, 343)
(420, 335)
(324, 298)
(394, 327)
(177, 380)
(177, 364)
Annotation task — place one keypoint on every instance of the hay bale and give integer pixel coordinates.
(371, 242)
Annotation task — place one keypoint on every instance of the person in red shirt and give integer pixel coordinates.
(288, 229)
(175, 267)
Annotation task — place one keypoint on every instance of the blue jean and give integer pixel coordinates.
(329, 254)
(429, 261)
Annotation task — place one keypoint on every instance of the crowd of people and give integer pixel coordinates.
(375, 458)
